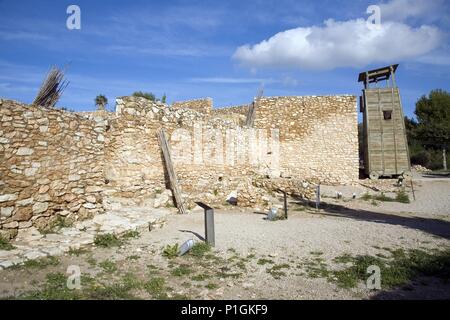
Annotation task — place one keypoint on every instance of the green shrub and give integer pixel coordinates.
(383, 197)
(132, 234)
(402, 197)
(171, 252)
(147, 95)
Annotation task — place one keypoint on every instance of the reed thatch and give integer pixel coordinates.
(51, 89)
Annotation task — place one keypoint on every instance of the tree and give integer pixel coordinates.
(147, 95)
(101, 101)
(433, 121)
(164, 98)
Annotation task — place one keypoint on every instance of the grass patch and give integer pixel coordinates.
(131, 234)
(316, 268)
(156, 287)
(108, 266)
(181, 271)
(200, 249)
(107, 240)
(225, 274)
(345, 258)
(55, 288)
(264, 261)
(200, 277)
(366, 197)
(383, 197)
(91, 260)
(241, 265)
(129, 280)
(276, 270)
(397, 270)
(211, 286)
(5, 245)
(77, 252)
(133, 257)
(401, 197)
(116, 291)
(41, 263)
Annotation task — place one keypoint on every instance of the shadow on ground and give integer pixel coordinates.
(194, 233)
(417, 289)
(436, 175)
(435, 227)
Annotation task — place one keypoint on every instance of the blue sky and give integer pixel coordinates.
(224, 50)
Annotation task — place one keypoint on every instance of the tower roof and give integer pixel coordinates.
(377, 74)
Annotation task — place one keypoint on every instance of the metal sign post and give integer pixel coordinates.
(285, 205)
(318, 197)
(209, 224)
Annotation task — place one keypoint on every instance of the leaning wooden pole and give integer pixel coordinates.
(163, 142)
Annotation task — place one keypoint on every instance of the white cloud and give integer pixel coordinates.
(400, 10)
(340, 44)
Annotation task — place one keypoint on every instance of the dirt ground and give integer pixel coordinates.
(308, 256)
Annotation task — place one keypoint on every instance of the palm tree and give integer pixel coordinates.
(101, 101)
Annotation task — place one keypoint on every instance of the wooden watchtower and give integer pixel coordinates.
(385, 146)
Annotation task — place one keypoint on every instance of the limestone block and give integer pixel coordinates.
(8, 197)
(6, 212)
(24, 151)
(40, 207)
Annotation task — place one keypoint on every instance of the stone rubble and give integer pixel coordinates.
(31, 244)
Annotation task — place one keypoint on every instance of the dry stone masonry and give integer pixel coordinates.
(319, 135)
(51, 165)
(64, 165)
(200, 105)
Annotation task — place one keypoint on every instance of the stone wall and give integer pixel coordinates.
(68, 165)
(236, 114)
(204, 105)
(51, 165)
(134, 163)
(318, 135)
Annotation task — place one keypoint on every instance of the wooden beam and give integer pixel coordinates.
(165, 147)
(251, 115)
